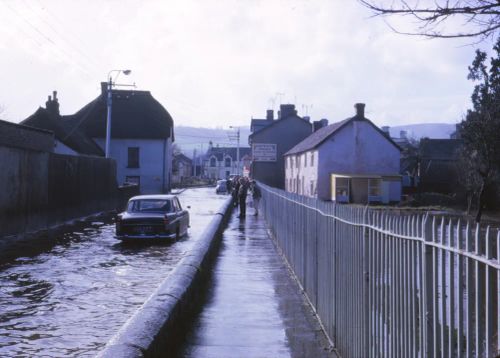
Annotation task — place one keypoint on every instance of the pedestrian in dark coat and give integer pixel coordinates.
(236, 188)
(242, 197)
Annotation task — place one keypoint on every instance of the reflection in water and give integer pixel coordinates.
(69, 300)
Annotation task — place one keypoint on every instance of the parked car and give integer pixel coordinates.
(152, 217)
(221, 187)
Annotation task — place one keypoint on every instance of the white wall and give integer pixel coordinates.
(154, 174)
(303, 174)
(219, 171)
(358, 148)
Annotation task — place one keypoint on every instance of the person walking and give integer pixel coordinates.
(242, 197)
(256, 195)
(236, 188)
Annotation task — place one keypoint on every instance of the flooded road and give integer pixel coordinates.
(70, 299)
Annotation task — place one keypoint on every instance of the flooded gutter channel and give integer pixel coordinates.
(153, 329)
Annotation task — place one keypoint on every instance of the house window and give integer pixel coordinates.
(312, 188)
(133, 179)
(342, 190)
(305, 160)
(213, 162)
(374, 187)
(302, 189)
(227, 162)
(312, 158)
(298, 161)
(291, 162)
(133, 157)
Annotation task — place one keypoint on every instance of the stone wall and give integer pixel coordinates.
(19, 136)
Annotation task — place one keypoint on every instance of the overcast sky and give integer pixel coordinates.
(219, 63)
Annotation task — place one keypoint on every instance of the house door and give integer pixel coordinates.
(359, 190)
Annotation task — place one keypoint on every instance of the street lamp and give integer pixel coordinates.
(108, 120)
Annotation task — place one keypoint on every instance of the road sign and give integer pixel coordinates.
(264, 152)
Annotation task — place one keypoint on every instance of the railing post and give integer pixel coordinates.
(426, 316)
(366, 268)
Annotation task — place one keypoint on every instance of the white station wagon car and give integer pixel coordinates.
(152, 217)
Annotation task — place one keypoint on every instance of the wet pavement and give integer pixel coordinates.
(71, 297)
(253, 308)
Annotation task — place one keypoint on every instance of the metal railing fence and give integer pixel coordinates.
(391, 285)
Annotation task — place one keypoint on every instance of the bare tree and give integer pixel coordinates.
(480, 18)
(479, 130)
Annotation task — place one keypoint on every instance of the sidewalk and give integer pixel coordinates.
(254, 308)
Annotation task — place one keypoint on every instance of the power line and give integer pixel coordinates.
(199, 136)
(68, 42)
(66, 29)
(48, 39)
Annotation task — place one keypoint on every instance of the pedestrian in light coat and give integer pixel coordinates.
(256, 195)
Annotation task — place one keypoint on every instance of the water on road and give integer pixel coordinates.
(70, 299)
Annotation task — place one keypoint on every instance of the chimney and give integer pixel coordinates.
(386, 130)
(287, 110)
(360, 110)
(104, 88)
(52, 104)
(269, 115)
(320, 124)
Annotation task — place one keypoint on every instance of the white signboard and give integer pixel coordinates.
(263, 152)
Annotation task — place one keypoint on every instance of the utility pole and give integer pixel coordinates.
(237, 148)
(108, 105)
(194, 162)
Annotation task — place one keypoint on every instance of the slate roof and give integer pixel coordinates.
(273, 122)
(180, 157)
(135, 114)
(74, 139)
(258, 124)
(322, 134)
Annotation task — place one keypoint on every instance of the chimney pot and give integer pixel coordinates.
(104, 87)
(360, 110)
(270, 115)
(54, 95)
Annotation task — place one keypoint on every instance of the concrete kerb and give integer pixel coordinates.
(152, 331)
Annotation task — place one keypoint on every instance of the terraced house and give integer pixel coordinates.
(351, 161)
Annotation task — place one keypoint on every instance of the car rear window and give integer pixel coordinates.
(149, 205)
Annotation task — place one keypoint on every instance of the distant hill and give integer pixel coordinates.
(420, 130)
(190, 138)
